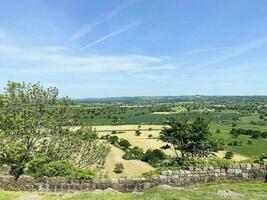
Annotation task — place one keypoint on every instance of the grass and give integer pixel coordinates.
(249, 190)
(6, 195)
(205, 192)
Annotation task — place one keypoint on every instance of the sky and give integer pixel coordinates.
(100, 48)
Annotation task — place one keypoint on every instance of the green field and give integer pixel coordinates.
(241, 190)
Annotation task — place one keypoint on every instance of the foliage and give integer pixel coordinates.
(62, 169)
(134, 153)
(138, 133)
(191, 139)
(118, 168)
(154, 156)
(34, 121)
(229, 155)
(253, 133)
(124, 144)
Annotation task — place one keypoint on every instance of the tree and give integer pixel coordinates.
(229, 155)
(34, 123)
(191, 139)
(138, 133)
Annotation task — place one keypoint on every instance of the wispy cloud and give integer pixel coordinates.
(84, 30)
(235, 51)
(34, 61)
(203, 50)
(110, 35)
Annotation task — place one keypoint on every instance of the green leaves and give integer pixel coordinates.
(34, 121)
(191, 139)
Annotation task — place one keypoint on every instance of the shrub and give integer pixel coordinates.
(150, 136)
(113, 132)
(113, 139)
(229, 155)
(138, 133)
(218, 131)
(135, 153)
(154, 156)
(255, 135)
(167, 146)
(59, 169)
(118, 168)
(124, 144)
(150, 129)
(249, 142)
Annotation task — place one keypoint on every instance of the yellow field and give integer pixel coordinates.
(236, 157)
(126, 127)
(132, 168)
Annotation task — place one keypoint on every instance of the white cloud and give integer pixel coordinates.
(38, 61)
(117, 32)
(84, 30)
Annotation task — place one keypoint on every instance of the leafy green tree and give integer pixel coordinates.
(191, 139)
(34, 124)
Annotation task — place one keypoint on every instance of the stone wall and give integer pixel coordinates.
(172, 178)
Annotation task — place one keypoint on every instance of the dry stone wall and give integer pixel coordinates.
(173, 178)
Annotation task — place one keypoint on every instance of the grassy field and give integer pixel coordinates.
(240, 190)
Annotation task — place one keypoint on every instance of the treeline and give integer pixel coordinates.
(253, 133)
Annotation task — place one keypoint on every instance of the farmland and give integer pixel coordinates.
(125, 116)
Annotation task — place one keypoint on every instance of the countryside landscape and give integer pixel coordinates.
(133, 99)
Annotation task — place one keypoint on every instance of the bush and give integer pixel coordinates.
(229, 155)
(138, 133)
(186, 162)
(113, 139)
(113, 132)
(59, 169)
(154, 156)
(135, 153)
(124, 144)
(218, 131)
(167, 146)
(150, 136)
(118, 168)
(249, 142)
(150, 129)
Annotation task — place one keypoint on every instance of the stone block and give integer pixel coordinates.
(231, 171)
(243, 165)
(217, 170)
(255, 166)
(187, 172)
(236, 166)
(265, 162)
(164, 173)
(163, 177)
(245, 175)
(248, 166)
(238, 171)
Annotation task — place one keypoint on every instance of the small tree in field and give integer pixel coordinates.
(191, 139)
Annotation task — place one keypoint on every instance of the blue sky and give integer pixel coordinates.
(100, 48)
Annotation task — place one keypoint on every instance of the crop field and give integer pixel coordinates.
(132, 168)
